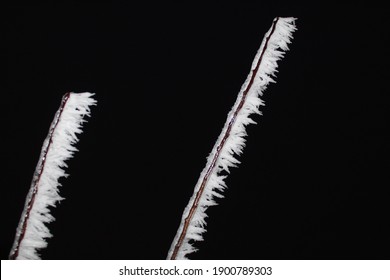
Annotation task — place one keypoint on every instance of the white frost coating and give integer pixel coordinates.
(274, 46)
(58, 147)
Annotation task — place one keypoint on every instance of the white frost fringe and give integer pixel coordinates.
(275, 43)
(58, 147)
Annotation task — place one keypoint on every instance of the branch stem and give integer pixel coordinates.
(194, 206)
(36, 179)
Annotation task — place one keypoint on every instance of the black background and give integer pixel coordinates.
(313, 183)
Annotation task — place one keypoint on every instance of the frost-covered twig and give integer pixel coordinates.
(57, 148)
(231, 141)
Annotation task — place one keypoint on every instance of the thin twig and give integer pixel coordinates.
(219, 148)
(37, 177)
